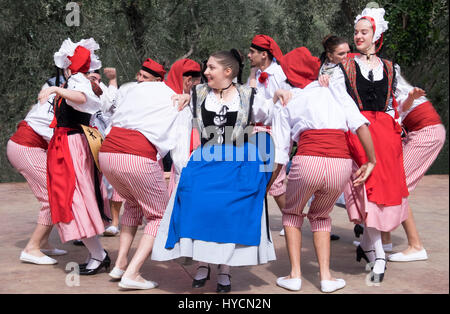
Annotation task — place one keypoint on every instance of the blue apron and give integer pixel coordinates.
(221, 193)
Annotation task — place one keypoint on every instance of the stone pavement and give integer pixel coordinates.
(18, 212)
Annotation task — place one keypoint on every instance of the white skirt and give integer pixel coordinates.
(213, 252)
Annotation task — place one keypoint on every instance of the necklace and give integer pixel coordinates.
(368, 55)
(221, 90)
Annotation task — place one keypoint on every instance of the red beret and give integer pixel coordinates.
(80, 61)
(178, 69)
(154, 68)
(264, 42)
(300, 67)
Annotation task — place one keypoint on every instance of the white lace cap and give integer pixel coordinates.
(377, 14)
(68, 48)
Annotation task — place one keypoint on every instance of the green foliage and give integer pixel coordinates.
(128, 31)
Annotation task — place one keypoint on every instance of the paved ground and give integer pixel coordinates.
(18, 210)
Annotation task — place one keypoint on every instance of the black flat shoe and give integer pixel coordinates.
(360, 253)
(334, 237)
(358, 230)
(81, 266)
(105, 263)
(378, 277)
(198, 283)
(224, 288)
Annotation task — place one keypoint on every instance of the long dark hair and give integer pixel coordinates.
(329, 44)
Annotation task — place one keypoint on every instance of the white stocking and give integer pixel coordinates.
(375, 239)
(96, 250)
(224, 280)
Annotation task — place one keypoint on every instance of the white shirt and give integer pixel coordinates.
(275, 80)
(314, 108)
(108, 98)
(403, 88)
(40, 116)
(147, 107)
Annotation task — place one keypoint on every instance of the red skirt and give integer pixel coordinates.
(386, 185)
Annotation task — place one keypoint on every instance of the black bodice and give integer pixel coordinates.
(69, 117)
(373, 94)
(212, 128)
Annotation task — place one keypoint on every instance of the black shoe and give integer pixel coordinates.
(78, 243)
(81, 266)
(201, 282)
(360, 253)
(334, 237)
(358, 230)
(224, 288)
(105, 263)
(378, 277)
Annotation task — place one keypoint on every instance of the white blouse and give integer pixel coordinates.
(263, 109)
(314, 108)
(80, 83)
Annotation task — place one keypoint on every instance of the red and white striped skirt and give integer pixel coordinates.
(322, 177)
(420, 149)
(140, 181)
(31, 162)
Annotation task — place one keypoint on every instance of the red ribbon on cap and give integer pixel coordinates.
(80, 61)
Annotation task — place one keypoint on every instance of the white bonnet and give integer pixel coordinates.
(381, 25)
(68, 48)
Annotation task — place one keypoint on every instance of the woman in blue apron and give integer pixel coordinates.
(218, 214)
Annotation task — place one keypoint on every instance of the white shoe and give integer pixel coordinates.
(293, 284)
(44, 260)
(116, 273)
(282, 232)
(356, 243)
(54, 252)
(417, 256)
(132, 284)
(111, 231)
(331, 285)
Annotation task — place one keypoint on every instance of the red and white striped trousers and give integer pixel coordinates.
(323, 177)
(140, 181)
(420, 149)
(31, 162)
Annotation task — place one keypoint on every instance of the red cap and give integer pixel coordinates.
(154, 68)
(178, 69)
(264, 42)
(300, 67)
(81, 60)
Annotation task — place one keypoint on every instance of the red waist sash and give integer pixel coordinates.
(262, 124)
(324, 143)
(26, 136)
(60, 177)
(387, 184)
(422, 116)
(125, 141)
